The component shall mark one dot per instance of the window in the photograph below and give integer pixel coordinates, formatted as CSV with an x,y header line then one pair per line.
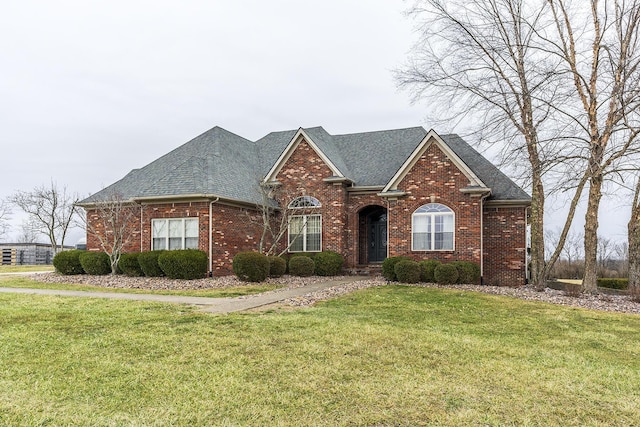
x,y
303,202
432,228
178,233
305,233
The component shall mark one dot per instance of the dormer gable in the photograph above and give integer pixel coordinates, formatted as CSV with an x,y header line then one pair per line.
x,y
300,136
475,186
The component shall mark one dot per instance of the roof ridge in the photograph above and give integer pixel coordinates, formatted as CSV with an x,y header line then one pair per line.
x,y
382,130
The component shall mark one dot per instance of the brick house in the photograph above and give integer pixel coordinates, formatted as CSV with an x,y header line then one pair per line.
x,y
367,196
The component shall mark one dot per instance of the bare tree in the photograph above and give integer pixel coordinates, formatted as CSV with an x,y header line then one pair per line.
x,y
483,59
274,218
621,250
28,233
553,80
606,248
51,211
5,216
109,221
600,54
634,245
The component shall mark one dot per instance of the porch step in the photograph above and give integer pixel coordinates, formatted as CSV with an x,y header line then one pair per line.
x,y
366,270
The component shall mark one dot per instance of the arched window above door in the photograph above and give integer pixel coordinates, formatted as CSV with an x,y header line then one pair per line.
x,y
304,202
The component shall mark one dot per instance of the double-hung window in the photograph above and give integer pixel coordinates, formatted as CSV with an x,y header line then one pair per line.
x,y
432,228
305,229
174,233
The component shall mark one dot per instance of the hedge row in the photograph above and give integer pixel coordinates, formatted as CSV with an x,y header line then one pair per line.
x,y
181,264
405,270
256,267
614,283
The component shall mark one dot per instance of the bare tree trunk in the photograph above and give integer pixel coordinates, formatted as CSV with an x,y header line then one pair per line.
x,y
538,270
590,280
634,246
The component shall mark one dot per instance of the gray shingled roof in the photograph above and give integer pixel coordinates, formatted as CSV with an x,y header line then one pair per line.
x,y
375,157
219,163
502,187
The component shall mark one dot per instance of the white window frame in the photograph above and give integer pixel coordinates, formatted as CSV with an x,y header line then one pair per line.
x,y
305,202
303,233
183,237
433,211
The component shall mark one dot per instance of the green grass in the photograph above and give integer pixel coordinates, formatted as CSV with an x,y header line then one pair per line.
x,y
389,356
236,291
24,268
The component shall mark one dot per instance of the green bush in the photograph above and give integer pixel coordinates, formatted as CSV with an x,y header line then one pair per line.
x,y
427,268
149,263
185,264
95,263
129,265
468,272
407,271
288,257
446,274
277,266
613,283
301,266
68,262
251,266
388,267
328,263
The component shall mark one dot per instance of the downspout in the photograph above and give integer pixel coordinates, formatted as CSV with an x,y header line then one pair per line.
x,y
482,199
141,233
388,208
211,236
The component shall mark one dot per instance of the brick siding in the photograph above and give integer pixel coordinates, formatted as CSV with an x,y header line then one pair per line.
x,y
505,245
434,178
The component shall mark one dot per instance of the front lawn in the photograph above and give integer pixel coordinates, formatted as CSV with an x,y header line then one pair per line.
x,y
385,356
24,268
224,292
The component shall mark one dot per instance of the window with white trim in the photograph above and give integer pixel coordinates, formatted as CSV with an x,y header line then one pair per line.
x,y
432,228
305,230
174,233
305,233
304,202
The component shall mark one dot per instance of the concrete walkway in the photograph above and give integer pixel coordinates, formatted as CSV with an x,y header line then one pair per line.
x,y
210,305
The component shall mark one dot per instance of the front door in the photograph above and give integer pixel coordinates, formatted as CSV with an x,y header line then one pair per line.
x,y
377,237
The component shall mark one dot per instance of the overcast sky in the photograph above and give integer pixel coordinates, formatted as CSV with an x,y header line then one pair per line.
x,y
92,89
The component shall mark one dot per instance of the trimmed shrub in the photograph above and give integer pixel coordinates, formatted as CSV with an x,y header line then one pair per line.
x,y
389,265
185,264
95,263
288,257
277,266
129,265
468,272
68,262
328,263
301,266
427,267
148,262
613,283
446,274
251,266
407,271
